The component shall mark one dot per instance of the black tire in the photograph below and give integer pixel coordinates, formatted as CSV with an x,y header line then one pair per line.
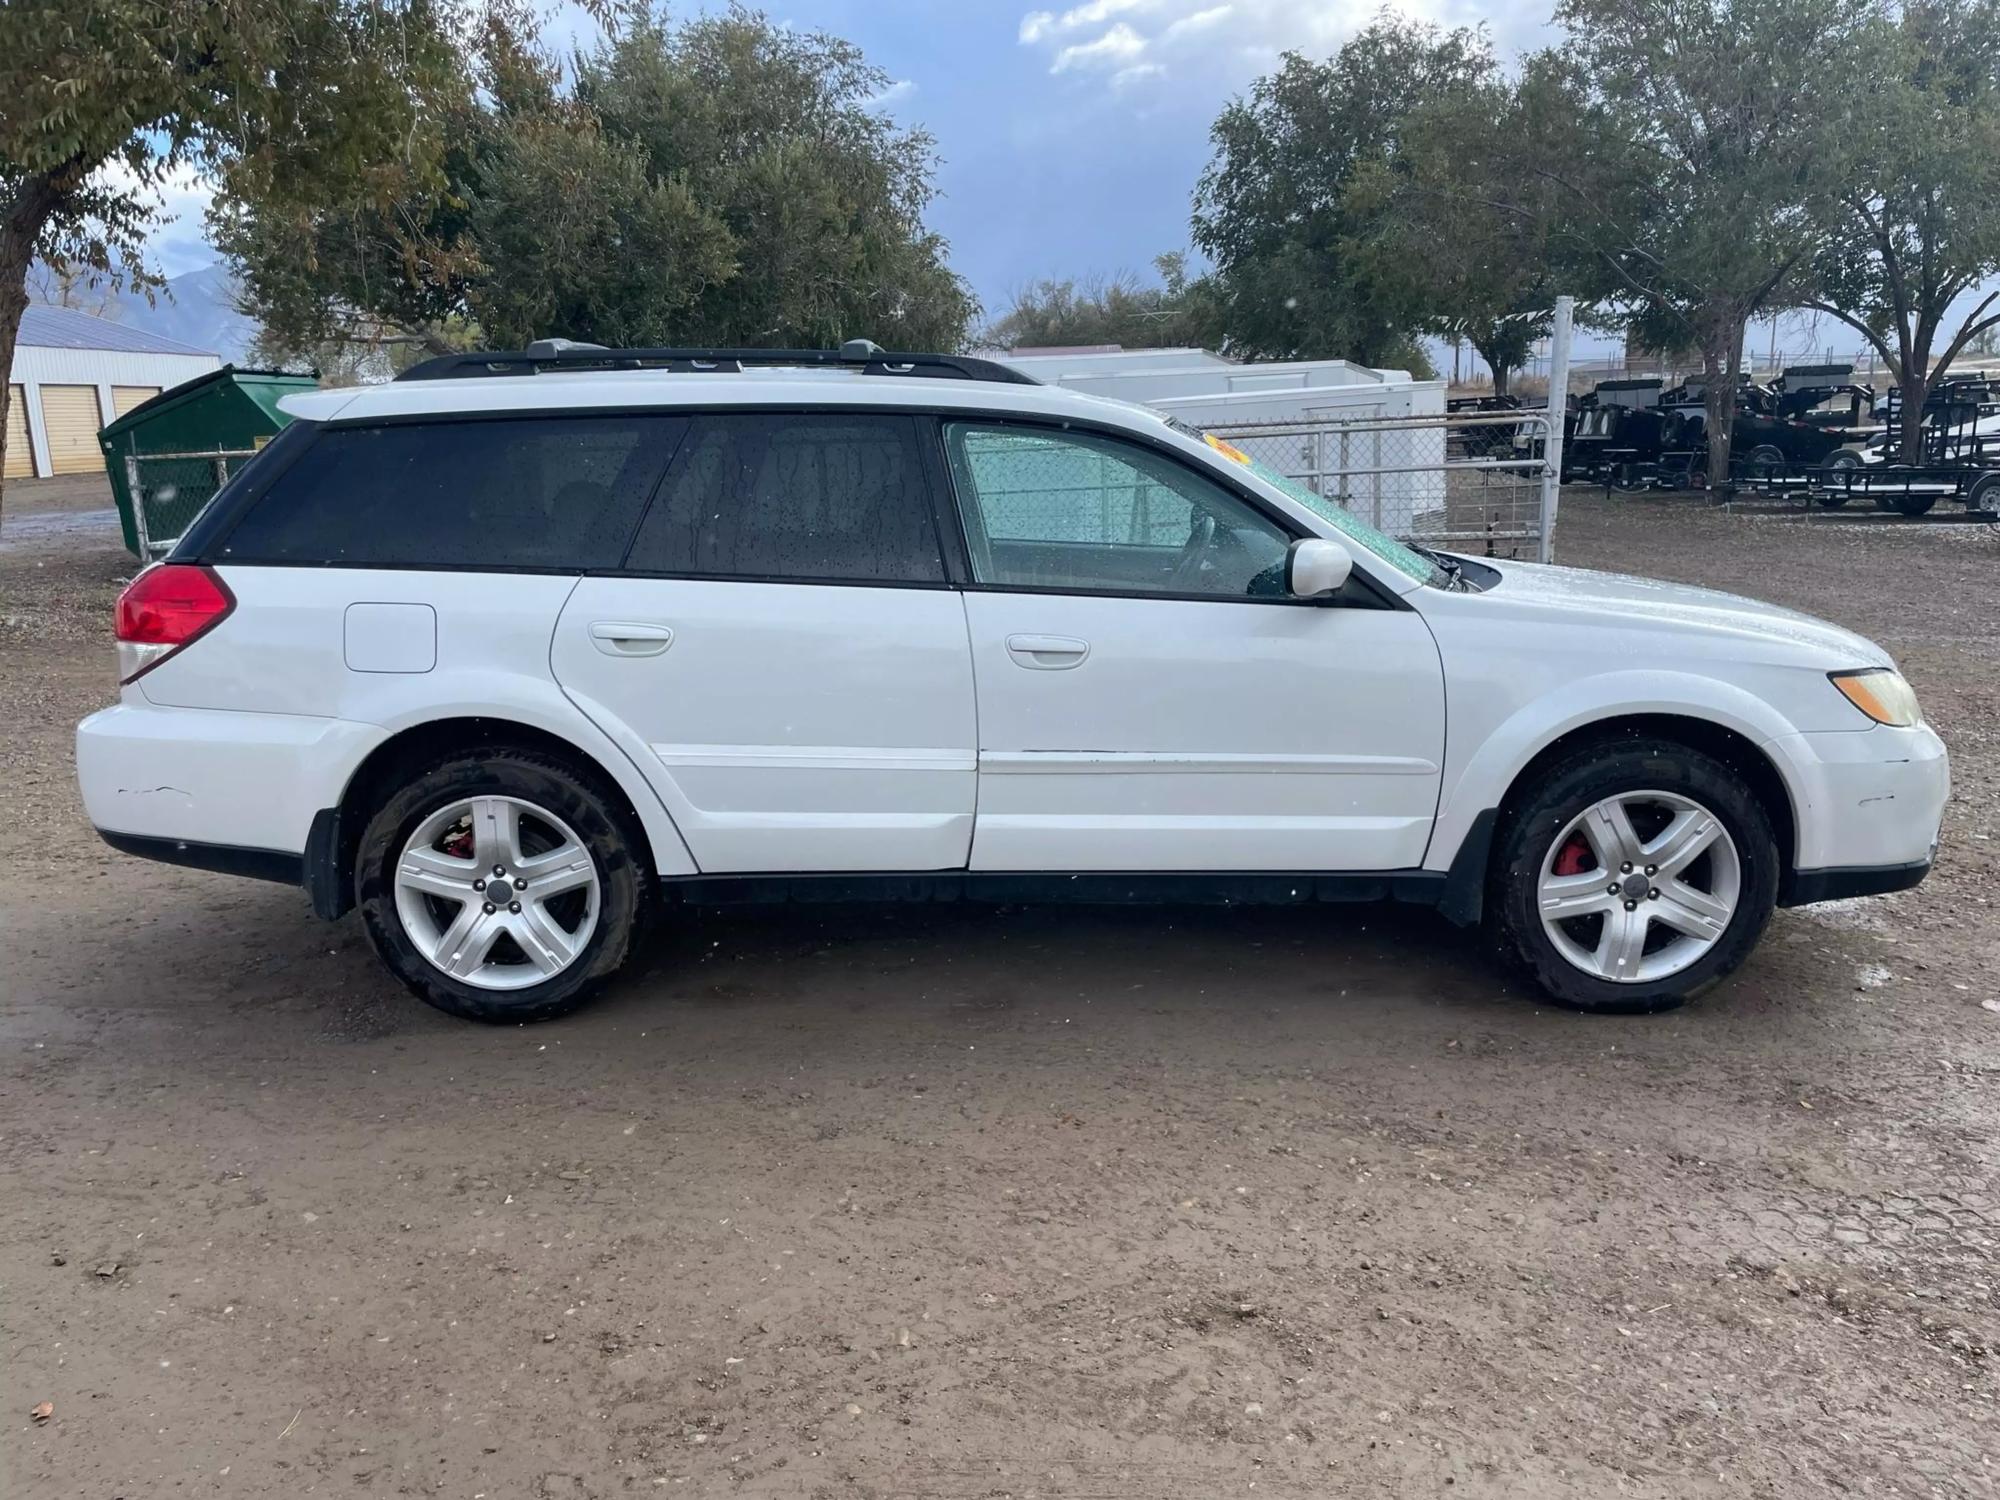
x,y
601,823
1912,505
1984,496
1767,459
1837,462
1560,794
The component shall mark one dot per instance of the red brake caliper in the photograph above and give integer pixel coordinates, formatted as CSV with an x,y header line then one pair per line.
x,y
1574,856
459,845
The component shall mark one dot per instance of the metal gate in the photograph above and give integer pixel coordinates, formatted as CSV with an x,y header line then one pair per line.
x,y
169,490
1475,482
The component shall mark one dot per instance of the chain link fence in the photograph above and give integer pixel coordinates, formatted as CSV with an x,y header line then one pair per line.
x,y
1475,482
169,490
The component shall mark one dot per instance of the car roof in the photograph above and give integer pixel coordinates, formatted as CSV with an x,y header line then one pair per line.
x,y
676,391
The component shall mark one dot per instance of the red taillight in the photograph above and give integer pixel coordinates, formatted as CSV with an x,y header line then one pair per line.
x,y
165,608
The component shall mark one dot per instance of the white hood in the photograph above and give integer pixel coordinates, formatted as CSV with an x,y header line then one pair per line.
x,y
1578,596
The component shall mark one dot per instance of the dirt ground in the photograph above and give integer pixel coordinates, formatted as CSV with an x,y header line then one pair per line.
x,y
1166,1205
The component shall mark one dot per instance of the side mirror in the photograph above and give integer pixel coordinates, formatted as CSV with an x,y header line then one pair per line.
x,y
1316,567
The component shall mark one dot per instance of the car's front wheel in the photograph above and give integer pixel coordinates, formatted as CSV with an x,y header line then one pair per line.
x,y
499,886
1632,876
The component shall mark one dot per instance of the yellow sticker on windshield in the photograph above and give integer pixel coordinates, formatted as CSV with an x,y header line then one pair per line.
x,y
1227,450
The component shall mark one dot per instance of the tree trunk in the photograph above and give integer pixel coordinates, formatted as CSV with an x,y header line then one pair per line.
x,y
1915,386
1503,373
20,231
1721,363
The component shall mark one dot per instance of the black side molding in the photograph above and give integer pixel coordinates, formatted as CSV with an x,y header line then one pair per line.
x,y
1086,887
224,859
1837,882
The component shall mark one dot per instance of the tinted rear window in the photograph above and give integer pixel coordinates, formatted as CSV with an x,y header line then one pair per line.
x,y
835,496
555,493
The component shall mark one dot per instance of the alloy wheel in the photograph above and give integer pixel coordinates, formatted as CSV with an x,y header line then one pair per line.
x,y
1638,886
497,892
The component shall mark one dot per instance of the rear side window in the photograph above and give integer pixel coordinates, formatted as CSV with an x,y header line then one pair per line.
x,y
561,494
833,497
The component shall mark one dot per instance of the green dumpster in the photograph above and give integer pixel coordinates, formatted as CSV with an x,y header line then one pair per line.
x,y
168,456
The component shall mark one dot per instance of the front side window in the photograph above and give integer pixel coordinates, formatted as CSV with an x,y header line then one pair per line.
x,y
834,497
545,492
1076,511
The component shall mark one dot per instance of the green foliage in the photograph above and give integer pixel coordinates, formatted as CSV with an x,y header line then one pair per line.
x,y
1915,224
1180,312
1447,227
724,181
1288,208
1694,146
105,100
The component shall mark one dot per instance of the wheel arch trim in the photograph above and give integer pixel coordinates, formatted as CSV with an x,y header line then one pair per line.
x,y
1644,701
330,844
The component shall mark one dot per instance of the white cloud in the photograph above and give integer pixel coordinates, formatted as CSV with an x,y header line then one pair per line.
x,y
1201,20
1121,45
902,88
177,240
1137,73
1231,41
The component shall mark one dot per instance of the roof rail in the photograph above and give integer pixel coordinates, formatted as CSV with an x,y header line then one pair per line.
x,y
546,356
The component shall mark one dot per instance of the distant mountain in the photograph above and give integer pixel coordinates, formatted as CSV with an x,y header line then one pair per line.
x,y
197,308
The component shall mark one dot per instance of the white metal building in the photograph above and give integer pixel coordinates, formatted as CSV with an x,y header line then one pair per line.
x,y
72,374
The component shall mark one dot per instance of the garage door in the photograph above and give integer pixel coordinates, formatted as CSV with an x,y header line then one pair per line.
x,y
70,418
125,397
20,462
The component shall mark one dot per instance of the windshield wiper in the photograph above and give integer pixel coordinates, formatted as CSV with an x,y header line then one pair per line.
x,y
1454,575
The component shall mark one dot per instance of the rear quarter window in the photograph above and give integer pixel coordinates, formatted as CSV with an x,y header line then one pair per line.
x,y
549,493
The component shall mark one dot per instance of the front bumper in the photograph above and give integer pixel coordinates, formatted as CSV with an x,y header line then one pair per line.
x,y
1868,805
1807,886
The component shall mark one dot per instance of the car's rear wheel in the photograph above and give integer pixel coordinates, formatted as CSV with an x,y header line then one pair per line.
x,y
499,886
1633,876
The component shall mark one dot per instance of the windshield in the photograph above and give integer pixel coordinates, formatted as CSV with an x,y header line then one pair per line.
x,y
1405,560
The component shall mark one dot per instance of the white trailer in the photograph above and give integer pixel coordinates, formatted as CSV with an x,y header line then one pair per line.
x,y
1372,439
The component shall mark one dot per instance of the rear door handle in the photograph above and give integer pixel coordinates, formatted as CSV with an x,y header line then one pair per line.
x,y
623,638
1047,653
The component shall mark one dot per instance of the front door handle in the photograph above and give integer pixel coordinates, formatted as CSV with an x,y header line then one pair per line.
x,y
1047,653
623,638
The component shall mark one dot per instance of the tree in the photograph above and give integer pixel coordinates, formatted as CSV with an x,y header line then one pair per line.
x,y
1693,145
1451,184
725,181
1915,226
105,100
775,131
1272,210
1122,310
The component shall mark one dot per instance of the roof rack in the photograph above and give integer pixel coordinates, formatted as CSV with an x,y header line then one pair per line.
x,y
546,356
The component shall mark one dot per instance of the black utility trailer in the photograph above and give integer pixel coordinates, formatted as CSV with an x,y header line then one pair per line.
x,y
1484,439
1612,429
1958,458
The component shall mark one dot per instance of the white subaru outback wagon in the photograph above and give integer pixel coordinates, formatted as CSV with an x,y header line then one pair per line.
x,y
520,648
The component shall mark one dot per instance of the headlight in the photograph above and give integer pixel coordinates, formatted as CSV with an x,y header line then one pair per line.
x,y
1880,693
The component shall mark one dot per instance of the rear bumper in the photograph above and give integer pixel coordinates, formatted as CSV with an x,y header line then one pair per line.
x,y
197,778
224,859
